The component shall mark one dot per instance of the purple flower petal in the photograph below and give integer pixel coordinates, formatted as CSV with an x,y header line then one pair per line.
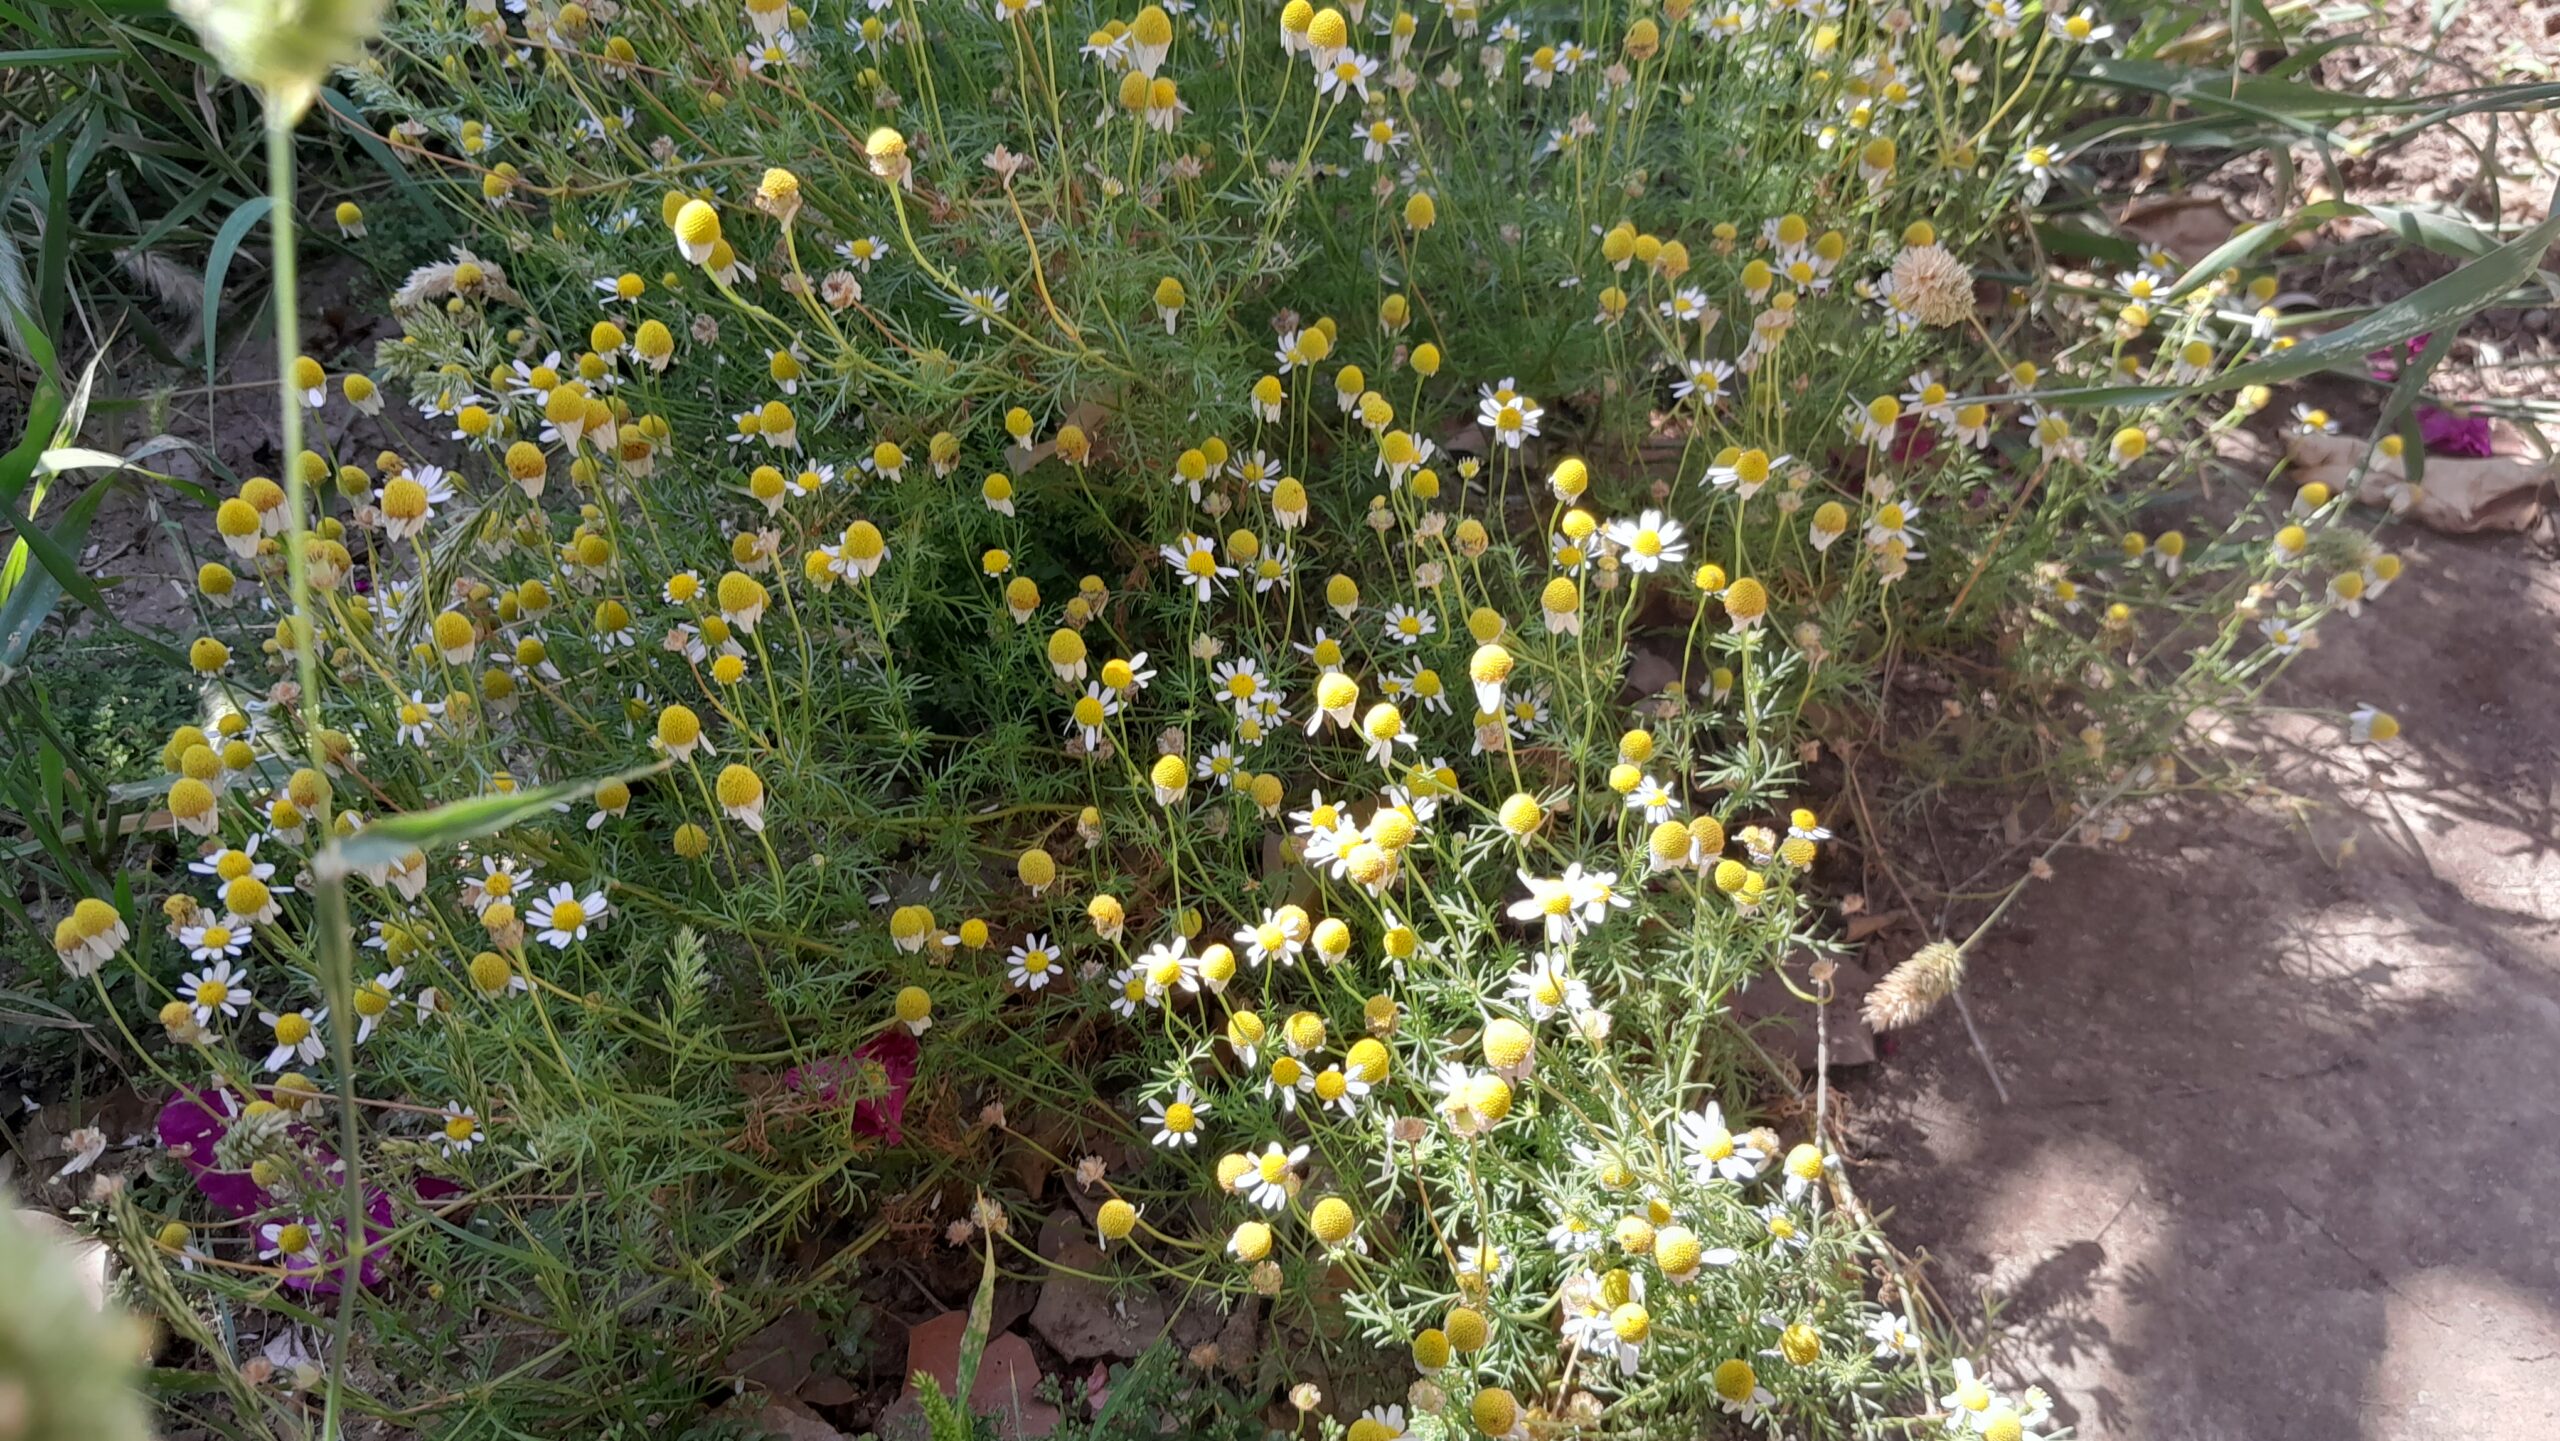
x,y
2444,433
880,1072
193,1123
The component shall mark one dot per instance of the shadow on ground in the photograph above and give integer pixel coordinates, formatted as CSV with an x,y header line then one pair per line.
x,y
2282,1153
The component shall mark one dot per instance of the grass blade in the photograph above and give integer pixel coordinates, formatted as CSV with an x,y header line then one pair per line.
x,y
226,243
388,839
2437,305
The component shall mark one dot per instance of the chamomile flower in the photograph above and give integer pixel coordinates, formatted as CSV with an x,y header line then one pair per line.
x,y
2078,28
1704,381
1893,1336
1176,1123
1273,1178
1575,1233
1892,522
561,917
215,990
1409,625
2285,637
1194,559
294,1243
500,878
1648,542
1654,799
1510,416
1970,1404
1129,991
297,1037
459,1131
1271,939
2040,164
1714,1152
1744,472
1545,988
1091,711
1032,963
1217,764
1483,1264
377,999
218,941
1239,681
979,306
1739,1392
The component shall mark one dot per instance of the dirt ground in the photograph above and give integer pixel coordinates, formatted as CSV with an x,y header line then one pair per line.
x,y
2281,1158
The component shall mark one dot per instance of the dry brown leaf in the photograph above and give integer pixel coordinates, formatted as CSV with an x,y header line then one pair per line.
x,y
2458,496
1861,927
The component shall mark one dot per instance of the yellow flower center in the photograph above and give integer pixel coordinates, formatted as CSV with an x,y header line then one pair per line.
x,y
568,916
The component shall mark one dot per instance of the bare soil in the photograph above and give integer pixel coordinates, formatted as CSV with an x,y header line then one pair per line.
x,y
2279,1158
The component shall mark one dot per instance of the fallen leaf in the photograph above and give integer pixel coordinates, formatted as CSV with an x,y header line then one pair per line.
x,y
778,1357
1007,1387
2189,227
1861,927
2457,496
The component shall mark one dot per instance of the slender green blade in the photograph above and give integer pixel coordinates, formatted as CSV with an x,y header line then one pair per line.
x,y
226,243
385,841
2437,305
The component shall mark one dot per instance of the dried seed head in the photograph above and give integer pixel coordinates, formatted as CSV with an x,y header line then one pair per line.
x,y
1910,991
1932,284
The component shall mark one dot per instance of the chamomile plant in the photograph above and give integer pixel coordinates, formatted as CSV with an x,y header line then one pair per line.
x,y
1236,600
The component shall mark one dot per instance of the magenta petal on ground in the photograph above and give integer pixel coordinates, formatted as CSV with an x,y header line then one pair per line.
x,y
878,1074
1912,439
883,1113
191,1124
2444,433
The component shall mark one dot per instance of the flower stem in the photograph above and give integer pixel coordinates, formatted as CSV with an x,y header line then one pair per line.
x,y
337,974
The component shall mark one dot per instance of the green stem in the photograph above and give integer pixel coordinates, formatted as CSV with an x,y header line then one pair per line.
x,y
337,969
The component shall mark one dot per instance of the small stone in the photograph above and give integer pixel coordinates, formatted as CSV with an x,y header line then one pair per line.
x,y
1086,1319
781,1418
